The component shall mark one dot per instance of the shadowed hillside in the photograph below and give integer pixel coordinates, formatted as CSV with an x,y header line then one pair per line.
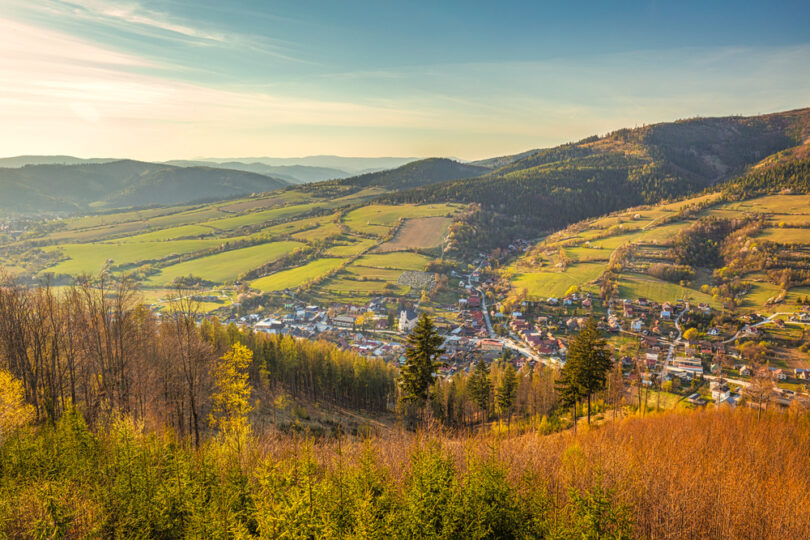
x,y
553,187
68,188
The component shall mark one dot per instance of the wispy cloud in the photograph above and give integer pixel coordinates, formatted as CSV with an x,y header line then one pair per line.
x,y
133,14
57,89
134,18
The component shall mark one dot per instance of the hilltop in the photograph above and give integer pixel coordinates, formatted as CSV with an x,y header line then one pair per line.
x,y
551,188
415,174
80,187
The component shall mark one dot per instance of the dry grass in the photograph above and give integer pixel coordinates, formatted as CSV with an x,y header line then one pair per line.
x,y
688,474
421,233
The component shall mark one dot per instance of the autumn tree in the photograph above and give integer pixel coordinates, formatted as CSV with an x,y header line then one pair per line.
x,y
231,397
691,334
14,411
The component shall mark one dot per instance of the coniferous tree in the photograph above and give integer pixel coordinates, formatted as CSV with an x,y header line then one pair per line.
x,y
569,391
421,361
591,361
479,387
507,390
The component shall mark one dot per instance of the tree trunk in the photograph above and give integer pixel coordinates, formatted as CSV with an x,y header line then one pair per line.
x,y
574,414
589,409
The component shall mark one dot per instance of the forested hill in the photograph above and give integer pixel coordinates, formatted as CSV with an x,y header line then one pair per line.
x,y
71,188
792,176
553,187
416,174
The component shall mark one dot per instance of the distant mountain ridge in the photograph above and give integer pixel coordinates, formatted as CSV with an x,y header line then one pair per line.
x,y
550,188
352,165
295,174
416,174
22,161
53,188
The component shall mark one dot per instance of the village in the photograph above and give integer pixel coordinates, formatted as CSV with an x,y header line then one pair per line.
x,y
671,345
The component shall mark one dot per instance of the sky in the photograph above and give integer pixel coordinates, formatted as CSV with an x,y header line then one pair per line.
x,y
184,79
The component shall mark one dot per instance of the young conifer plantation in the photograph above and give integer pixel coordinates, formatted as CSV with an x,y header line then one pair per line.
x,y
116,424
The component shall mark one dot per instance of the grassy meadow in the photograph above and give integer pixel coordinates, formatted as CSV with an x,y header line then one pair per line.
x,y
589,245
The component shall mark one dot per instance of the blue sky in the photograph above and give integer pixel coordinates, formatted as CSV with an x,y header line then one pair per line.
x,y
182,79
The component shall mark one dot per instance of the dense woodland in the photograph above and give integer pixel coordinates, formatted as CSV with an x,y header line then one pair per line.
x,y
793,176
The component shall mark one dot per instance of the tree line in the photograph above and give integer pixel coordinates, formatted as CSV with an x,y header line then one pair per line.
x,y
96,347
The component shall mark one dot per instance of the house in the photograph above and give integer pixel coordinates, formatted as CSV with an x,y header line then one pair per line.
x,y
490,345
344,321
779,374
587,303
695,399
636,325
666,313
407,320
552,301
800,373
720,391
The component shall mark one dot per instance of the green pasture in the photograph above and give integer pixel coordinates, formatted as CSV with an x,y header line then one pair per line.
x,y
226,266
289,279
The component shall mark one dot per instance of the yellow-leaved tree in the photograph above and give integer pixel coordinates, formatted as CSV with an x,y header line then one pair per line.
x,y
14,411
231,397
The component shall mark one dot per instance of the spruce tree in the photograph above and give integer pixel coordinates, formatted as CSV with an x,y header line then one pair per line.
x,y
591,361
479,387
507,390
423,347
568,388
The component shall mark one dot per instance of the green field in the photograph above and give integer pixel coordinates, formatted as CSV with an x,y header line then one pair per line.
x,y
322,232
226,266
634,285
760,293
257,218
362,289
90,258
183,231
359,272
348,249
289,279
542,285
787,235
398,261
585,254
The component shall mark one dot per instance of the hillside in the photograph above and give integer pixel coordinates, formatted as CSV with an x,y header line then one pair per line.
x,y
295,174
553,187
416,174
71,188
352,165
747,254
